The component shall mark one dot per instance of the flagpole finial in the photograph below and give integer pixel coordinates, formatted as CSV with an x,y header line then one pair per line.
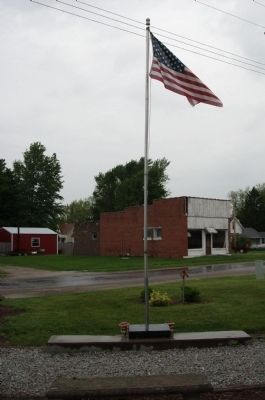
x,y
147,22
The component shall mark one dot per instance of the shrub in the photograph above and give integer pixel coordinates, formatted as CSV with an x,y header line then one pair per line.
x,y
191,295
241,243
158,299
142,294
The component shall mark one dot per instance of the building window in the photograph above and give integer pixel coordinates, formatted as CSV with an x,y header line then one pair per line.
x,y
154,233
195,239
157,233
35,242
94,236
219,241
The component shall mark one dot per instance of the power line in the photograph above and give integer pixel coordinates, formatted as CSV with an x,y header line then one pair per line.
x,y
100,15
176,40
208,45
83,17
217,59
213,52
110,12
171,33
260,4
137,34
231,15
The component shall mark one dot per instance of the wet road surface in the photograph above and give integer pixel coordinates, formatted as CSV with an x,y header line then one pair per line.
x,y
29,282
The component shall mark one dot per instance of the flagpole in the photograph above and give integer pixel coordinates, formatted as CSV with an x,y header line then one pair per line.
x,y
146,291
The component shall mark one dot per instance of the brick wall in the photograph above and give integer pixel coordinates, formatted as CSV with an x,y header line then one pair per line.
x,y
122,232
86,239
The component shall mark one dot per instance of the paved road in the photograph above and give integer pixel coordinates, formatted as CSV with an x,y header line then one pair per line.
x,y
29,282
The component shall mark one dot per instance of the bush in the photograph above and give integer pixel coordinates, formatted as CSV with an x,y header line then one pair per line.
x,y
142,294
191,295
241,243
158,299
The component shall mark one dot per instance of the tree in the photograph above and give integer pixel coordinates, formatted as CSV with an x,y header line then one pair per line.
x,y
40,181
122,186
78,211
249,205
253,212
9,196
238,199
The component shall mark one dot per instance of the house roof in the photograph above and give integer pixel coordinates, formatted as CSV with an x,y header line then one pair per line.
x,y
251,233
29,231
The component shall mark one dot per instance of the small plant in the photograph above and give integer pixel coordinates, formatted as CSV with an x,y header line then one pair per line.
x,y
158,299
190,295
142,294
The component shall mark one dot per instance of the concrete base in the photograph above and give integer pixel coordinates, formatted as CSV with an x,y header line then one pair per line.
x,y
124,343
153,331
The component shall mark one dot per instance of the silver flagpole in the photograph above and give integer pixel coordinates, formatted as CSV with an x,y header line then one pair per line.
x,y
146,292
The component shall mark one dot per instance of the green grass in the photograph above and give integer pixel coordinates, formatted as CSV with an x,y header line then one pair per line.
x,y
227,304
96,264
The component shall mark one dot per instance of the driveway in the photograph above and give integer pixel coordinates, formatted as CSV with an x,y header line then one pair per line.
x,y
29,282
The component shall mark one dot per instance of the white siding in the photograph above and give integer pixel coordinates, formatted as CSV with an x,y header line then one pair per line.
x,y
208,213
204,222
210,208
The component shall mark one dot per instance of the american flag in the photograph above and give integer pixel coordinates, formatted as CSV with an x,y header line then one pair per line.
x,y
176,77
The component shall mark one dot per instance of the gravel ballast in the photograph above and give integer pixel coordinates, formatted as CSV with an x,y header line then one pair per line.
x,y
30,371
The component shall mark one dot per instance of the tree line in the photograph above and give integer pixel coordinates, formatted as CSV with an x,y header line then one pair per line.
x,y
120,187
30,192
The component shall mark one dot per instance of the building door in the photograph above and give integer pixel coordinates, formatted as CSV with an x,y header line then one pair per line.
x,y
208,244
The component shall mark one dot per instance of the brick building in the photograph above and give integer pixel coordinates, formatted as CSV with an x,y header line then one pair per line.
x,y
177,227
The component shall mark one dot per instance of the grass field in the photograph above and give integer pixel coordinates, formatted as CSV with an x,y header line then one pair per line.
x,y
227,303
96,264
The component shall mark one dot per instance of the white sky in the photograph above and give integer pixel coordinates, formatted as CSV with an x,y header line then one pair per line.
x,y
78,88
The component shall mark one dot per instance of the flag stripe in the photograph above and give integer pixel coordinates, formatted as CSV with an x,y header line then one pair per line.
x,y
178,89
175,76
193,99
181,83
180,78
187,75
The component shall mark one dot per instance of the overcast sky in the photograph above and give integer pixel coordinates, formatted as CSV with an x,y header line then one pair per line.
x,y
78,88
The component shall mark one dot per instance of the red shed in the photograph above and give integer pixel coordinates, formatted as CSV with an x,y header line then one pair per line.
x,y
28,240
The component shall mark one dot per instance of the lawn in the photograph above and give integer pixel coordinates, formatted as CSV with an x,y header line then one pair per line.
x,y
227,304
108,264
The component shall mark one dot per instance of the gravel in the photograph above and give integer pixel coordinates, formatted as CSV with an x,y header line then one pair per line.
x,y
30,371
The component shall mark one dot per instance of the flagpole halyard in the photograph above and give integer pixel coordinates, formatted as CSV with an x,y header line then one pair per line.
x,y
146,283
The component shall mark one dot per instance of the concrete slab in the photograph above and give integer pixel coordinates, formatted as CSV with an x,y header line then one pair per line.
x,y
196,339
126,387
211,338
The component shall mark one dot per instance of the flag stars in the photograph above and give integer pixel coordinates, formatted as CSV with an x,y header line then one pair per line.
x,y
165,56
